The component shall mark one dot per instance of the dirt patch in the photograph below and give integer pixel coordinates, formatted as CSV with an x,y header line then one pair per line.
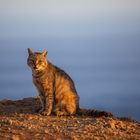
x,y
19,121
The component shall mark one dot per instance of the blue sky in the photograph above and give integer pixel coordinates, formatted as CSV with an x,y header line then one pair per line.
x,y
68,18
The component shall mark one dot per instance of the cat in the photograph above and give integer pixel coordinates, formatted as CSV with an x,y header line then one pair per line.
x,y
56,89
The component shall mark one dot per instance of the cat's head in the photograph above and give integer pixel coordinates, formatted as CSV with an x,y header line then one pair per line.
x,y
36,60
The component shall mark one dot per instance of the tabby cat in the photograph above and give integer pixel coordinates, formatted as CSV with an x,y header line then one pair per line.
x,y
56,89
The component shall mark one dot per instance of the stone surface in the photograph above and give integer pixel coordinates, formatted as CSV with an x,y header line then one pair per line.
x,y
19,121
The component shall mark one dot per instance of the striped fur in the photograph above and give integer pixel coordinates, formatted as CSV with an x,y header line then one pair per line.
x,y
56,89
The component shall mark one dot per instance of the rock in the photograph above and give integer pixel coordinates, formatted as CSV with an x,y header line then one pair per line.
x,y
28,125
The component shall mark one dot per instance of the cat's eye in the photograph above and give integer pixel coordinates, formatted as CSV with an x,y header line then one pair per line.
x,y
40,61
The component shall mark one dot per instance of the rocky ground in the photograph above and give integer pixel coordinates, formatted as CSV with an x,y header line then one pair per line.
x,y
18,121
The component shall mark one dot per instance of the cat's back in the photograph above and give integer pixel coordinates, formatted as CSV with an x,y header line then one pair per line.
x,y
63,80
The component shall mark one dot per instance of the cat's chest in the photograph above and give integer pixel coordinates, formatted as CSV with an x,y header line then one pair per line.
x,y
41,83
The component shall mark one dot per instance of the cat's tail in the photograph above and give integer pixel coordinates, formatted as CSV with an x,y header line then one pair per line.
x,y
93,112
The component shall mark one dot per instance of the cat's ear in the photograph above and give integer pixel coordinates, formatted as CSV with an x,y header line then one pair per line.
x,y
30,52
45,53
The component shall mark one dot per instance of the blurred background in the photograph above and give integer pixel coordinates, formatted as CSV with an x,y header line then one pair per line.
x,y
97,42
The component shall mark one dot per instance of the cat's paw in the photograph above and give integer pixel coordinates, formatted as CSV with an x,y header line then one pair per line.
x,y
61,113
41,110
45,113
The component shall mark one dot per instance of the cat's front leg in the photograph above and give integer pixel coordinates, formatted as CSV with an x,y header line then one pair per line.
x,y
49,106
42,101
49,101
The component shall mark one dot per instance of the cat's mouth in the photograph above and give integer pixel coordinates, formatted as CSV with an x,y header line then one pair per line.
x,y
38,69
